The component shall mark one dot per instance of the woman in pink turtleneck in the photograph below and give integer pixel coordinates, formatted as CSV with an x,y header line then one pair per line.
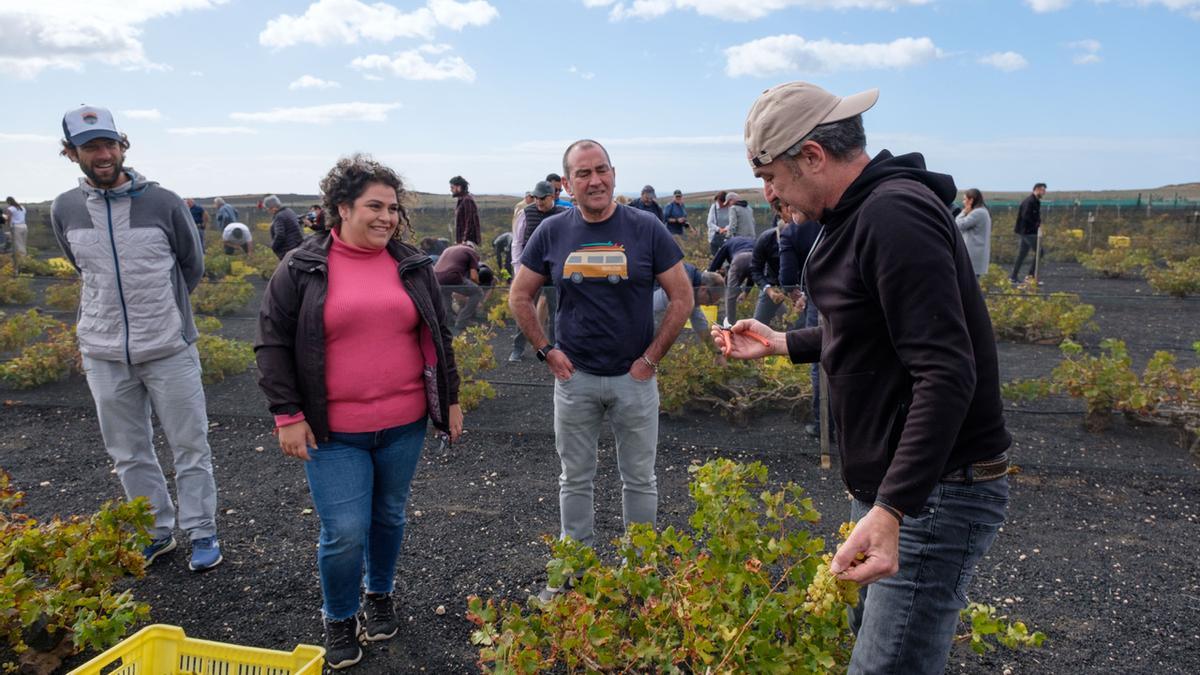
x,y
355,358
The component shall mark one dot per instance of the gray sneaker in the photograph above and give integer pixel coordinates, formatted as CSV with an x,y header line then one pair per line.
x,y
551,592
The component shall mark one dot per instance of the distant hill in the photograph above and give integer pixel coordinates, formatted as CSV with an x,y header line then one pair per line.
x,y
419,200
428,200
1188,191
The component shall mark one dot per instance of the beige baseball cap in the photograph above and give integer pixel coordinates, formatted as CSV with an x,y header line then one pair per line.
x,y
788,112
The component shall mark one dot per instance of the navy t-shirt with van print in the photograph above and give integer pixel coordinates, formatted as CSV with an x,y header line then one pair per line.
x,y
604,273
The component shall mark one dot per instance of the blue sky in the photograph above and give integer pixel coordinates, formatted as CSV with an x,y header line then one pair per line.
x,y
235,96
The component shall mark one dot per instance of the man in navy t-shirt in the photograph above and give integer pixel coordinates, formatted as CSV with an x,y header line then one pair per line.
x,y
603,258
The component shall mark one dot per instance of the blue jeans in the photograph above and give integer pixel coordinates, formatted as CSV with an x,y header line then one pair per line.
x,y
905,623
360,484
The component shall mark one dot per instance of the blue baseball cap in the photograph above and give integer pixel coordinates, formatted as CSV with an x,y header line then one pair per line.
x,y
88,123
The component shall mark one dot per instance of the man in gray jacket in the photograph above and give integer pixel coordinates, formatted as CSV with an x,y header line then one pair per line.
x,y
741,218
138,252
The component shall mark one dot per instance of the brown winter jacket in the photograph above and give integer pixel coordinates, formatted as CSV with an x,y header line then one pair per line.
x,y
290,348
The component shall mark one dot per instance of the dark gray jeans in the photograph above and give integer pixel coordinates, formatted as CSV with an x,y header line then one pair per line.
x,y
474,296
1028,243
905,623
737,279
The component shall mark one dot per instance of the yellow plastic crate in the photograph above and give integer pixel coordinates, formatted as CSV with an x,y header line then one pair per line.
x,y
165,650
1077,235
1118,241
710,313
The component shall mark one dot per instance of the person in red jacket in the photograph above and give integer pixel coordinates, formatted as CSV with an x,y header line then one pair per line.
x,y
913,372
466,213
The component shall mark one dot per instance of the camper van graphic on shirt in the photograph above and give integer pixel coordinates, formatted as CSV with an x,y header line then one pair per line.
x,y
601,260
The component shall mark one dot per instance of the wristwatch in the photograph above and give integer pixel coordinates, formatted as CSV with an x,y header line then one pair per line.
x,y
544,352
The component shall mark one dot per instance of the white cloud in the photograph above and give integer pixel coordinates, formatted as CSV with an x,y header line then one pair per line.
x,y
26,138
310,82
327,22
1190,7
459,15
411,64
1086,52
1006,61
740,10
1043,6
321,114
151,114
582,74
737,10
792,53
210,131
69,34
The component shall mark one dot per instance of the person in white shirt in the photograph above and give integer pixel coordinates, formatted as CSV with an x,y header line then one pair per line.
x,y
235,236
16,224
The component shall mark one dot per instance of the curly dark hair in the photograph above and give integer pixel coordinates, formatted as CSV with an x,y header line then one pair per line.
x,y
69,146
349,178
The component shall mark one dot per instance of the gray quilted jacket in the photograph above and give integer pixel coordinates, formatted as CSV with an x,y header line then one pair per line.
x,y
139,254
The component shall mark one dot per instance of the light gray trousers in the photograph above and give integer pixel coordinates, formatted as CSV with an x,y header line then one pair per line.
x,y
580,405
124,395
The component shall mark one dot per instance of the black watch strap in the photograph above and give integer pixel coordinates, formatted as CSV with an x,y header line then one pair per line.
x,y
544,352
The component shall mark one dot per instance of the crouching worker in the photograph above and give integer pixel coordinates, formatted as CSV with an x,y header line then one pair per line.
x,y
355,360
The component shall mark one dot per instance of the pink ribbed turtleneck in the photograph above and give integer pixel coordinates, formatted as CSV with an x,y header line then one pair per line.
x,y
373,360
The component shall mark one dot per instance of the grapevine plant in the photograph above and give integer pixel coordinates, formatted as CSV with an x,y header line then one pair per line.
x,y
691,374
1107,383
56,580
1024,314
748,590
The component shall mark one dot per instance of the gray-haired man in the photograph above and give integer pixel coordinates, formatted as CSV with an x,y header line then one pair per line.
x,y
139,254
285,226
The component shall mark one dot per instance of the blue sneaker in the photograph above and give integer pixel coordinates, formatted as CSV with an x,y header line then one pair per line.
x,y
158,547
206,554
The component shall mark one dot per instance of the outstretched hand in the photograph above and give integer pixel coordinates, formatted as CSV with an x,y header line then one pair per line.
x,y
748,339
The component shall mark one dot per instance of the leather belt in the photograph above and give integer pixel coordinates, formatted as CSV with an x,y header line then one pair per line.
x,y
981,471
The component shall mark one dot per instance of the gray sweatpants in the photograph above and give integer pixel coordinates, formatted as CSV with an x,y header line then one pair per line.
x,y
580,405
124,395
737,279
